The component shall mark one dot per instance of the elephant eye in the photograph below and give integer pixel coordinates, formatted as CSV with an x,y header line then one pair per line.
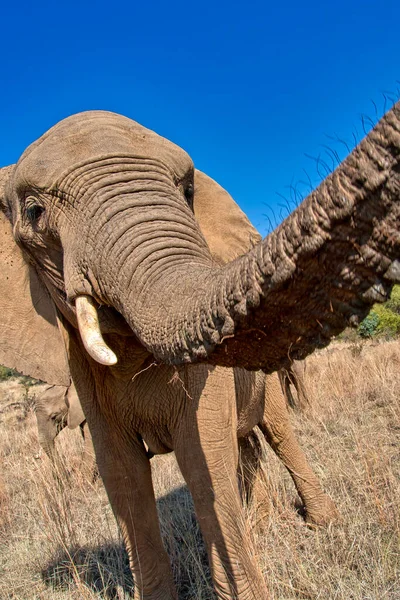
x,y
34,210
189,192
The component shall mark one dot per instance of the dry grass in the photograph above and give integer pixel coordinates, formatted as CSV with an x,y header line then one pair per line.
x,y
59,540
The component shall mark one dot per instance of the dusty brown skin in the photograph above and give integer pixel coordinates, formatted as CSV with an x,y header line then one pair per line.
x,y
293,385
58,407
104,208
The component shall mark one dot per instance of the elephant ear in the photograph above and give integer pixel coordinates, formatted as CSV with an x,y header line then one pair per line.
x,y
75,412
30,339
226,228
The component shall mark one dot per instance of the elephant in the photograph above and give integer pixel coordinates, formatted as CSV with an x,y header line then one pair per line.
x,y
55,408
105,263
293,377
58,407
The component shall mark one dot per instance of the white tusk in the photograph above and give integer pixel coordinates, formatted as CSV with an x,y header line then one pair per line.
x,y
89,328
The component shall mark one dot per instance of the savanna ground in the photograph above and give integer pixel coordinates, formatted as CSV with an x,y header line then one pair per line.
x,y
60,541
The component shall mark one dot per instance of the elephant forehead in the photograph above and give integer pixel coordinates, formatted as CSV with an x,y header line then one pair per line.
x,y
89,136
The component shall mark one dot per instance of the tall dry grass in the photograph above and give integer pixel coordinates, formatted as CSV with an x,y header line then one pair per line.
x,y
58,538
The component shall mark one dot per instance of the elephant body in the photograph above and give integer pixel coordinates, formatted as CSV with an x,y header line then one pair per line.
x,y
141,280
260,400
165,408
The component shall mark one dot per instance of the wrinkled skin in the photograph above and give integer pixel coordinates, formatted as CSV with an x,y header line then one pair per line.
x,y
276,427
293,384
51,415
102,210
56,408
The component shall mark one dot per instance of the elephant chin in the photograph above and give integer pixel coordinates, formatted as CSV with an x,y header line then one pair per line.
x,y
89,329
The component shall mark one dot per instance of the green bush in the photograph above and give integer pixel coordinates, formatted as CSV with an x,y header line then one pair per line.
x,y
369,325
6,373
389,321
383,319
394,303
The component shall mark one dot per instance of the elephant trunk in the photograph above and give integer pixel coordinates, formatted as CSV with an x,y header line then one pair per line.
x,y
47,432
323,267
332,258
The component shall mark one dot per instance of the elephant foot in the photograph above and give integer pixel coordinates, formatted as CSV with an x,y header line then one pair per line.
x,y
322,513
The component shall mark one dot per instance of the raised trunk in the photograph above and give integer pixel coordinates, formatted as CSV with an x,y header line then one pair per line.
x,y
331,259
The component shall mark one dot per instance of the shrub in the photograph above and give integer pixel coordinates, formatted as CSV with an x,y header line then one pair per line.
x,y
369,325
6,373
389,321
383,318
394,303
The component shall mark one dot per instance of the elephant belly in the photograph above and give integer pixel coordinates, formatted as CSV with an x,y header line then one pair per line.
x,y
160,396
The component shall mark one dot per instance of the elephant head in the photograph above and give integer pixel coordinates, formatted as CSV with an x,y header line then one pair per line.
x,y
56,407
104,212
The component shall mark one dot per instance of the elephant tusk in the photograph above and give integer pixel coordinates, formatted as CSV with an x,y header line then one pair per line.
x,y
89,328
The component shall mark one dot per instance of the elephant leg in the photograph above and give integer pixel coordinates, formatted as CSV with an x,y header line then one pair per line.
x,y
250,453
125,470
206,449
278,431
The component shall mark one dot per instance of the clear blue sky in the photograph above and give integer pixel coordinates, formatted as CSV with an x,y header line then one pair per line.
x,y
248,89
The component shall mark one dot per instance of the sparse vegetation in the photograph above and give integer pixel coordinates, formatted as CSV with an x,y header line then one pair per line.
x,y
368,327
59,541
6,373
383,319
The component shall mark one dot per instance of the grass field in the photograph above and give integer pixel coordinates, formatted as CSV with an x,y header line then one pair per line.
x,y
59,541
